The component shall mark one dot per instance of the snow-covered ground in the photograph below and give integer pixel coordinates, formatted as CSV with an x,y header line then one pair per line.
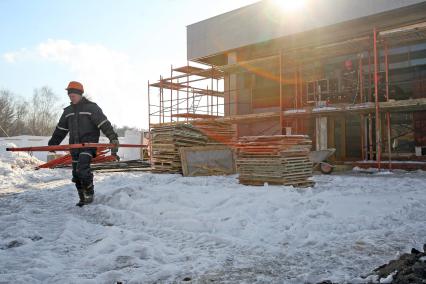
x,y
150,228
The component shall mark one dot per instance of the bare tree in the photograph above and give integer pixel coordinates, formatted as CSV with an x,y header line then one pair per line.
x,y
6,112
20,124
37,117
43,112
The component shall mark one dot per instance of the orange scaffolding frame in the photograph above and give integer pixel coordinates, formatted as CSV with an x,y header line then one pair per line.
x,y
194,93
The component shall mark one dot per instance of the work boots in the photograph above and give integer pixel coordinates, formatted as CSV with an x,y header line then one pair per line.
x,y
88,193
81,202
85,193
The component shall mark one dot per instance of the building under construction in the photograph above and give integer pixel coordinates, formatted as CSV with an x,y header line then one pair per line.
x,y
350,74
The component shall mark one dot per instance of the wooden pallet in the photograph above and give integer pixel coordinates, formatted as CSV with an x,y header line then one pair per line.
x,y
166,142
280,159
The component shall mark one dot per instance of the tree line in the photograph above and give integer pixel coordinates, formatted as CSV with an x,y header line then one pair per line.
x,y
37,116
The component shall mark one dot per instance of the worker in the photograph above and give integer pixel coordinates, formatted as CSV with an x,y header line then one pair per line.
x,y
83,120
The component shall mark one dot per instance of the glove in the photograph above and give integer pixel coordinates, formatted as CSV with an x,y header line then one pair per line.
x,y
115,149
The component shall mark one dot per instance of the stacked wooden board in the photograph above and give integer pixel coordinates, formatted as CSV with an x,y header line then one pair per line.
x,y
166,141
279,159
218,133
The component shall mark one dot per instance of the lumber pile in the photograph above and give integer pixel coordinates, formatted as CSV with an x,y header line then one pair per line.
x,y
280,159
166,141
218,133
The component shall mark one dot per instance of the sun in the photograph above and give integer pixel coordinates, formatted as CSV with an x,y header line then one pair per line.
x,y
290,5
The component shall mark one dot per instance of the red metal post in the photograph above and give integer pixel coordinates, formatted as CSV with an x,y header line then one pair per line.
x,y
229,96
361,79
296,102
178,101
387,113
193,102
161,100
211,103
302,125
296,99
376,94
149,109
281,94
370,119
207,98
187,92
236,108
149,125
217,97
171,93
212,91
362,117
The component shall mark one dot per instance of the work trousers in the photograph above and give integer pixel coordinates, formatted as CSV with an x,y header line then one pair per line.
x,y
82,174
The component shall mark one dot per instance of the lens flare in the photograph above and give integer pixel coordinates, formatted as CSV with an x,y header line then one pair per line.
x,y
290,5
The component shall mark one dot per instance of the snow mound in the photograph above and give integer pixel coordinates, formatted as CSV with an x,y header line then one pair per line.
x,y
15,161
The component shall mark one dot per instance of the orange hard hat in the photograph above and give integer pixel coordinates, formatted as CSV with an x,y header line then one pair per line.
x,y
75,86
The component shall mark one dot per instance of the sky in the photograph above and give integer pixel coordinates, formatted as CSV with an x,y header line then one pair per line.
x,y
112,47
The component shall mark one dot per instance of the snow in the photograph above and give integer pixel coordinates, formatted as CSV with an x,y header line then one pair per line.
x,y
392,162
290,111
388,279
27,141
361,106
150,228
375,171
319,109
12,167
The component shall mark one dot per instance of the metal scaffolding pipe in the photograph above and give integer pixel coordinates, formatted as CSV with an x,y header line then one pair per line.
x,y
376,94
361,96
281,93
171,94
387,99
370,119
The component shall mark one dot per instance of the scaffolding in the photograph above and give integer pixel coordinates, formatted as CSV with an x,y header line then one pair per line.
x,y
190,93
186,96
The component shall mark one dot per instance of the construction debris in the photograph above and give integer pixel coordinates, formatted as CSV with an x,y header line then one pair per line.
x,y
408,268
280,159
166,141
